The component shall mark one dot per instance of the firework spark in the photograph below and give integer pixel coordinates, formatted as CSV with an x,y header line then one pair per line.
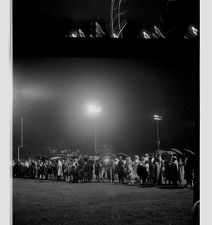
x,y
98,30
117,23
145,35
158,32
81,33
195,31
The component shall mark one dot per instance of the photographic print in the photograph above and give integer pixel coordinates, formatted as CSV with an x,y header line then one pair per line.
x,y
105,126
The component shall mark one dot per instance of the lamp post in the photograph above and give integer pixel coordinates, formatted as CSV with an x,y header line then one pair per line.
x,y
94,110
158,118
22,137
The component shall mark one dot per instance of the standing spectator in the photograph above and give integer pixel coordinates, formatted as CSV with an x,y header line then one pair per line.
x,y
45,170
163,174
90,170
103,173
66,170
142,173
40,170
158,161
181,170
146,157
59,169
75,170
175,171
15,169
121,170
152,171
33,170
168,170
26,165
189,169
129,171
97,169
135,166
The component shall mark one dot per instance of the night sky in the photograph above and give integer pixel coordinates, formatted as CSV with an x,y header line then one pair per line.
x,y
50,20
99,9
52,94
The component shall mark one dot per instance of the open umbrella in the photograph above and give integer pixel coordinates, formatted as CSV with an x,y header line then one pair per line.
x,y
123,155
176,151
112,155
189,151
37,157
54,158
73,157
94,157
165,152
43,158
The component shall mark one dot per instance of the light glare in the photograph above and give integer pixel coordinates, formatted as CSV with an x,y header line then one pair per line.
x,y
94,109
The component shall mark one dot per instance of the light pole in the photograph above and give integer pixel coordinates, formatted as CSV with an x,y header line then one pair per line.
x,y
158,118
22,137
94,110
95,143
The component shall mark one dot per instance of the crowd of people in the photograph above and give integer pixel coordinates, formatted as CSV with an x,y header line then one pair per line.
x,y
150,169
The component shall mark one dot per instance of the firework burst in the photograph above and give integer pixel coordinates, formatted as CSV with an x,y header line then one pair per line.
x,y
117,21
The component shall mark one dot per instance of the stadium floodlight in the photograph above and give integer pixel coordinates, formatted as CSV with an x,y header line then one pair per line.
x,y
106,160
94,109
158,118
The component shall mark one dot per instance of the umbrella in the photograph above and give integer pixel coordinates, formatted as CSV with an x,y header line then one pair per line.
x,y
73,156
165,152
112,155
64,157
44,158
176,151
123,155
189,151
54,158
94,158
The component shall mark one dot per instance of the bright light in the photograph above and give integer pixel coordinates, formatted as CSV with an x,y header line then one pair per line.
x,y
74,35
94,109
194,30
158,32
114,35
156,117
146,36
106,160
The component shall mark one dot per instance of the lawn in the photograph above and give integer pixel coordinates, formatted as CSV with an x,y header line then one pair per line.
x,y
62,203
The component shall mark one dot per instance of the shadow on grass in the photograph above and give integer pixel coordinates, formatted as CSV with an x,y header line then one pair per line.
x,y
171,187
163,186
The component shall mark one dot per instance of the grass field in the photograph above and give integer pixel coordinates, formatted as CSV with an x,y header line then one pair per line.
x,y
62,203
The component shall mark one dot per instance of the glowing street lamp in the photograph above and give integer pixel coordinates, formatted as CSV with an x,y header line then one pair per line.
x,y
94,110
158,118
